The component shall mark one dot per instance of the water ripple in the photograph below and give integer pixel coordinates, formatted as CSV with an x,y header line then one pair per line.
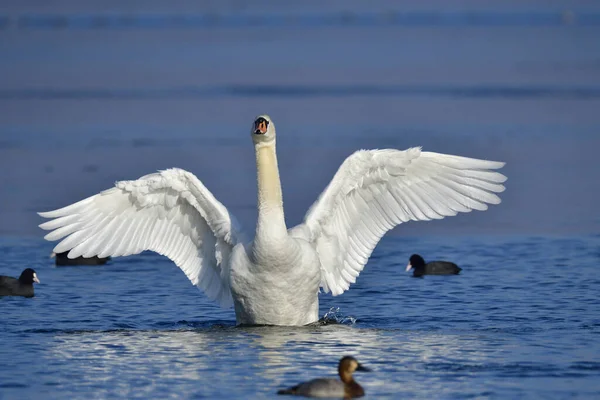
x,y
307,91
389,18
510,332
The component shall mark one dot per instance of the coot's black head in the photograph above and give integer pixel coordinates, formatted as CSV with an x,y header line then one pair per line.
x,y
28,276
415,261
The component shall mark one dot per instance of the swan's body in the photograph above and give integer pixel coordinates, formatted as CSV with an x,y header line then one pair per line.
x,y
275,278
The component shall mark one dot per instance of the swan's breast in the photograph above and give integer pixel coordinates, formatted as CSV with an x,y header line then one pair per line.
x,y
278,287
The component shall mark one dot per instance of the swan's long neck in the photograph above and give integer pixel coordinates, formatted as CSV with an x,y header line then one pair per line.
x,y
271,219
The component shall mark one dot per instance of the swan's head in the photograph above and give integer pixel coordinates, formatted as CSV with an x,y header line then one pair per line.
x,y
263,129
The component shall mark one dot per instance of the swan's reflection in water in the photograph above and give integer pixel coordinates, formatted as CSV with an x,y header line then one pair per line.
x,y
201,362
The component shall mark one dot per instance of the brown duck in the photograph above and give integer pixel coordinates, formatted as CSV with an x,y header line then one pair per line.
x,y
346,387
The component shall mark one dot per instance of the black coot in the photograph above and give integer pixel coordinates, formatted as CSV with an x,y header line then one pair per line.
x,y
62,259
23,286
420,268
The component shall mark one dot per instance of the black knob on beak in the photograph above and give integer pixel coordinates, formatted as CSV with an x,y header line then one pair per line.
x,y
260,126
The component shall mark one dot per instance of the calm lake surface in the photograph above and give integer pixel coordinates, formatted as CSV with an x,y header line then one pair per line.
x,y
94,94
522,320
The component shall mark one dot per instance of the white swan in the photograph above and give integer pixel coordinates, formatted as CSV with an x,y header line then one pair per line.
x,y
275,278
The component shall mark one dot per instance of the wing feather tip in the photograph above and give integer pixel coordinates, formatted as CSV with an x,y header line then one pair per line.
x,y
45,225
48,214
50,236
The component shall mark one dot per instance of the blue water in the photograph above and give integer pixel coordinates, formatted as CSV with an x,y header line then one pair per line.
x,y
522,320
93,93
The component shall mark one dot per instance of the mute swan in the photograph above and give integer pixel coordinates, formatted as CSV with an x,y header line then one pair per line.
x,y
274,279
346,388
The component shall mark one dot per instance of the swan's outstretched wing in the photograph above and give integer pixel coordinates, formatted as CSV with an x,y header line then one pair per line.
x,y
375,190
170,212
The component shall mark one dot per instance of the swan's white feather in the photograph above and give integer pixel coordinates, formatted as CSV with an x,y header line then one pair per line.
x,y
275,278
170,212
375,190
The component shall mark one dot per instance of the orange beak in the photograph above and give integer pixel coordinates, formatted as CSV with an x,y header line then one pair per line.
x,y
260,126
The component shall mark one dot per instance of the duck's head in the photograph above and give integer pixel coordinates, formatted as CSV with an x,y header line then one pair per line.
x,y
348,365
415,261
28,276
263,130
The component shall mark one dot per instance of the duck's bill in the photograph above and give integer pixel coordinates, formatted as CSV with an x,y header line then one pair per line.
x,y
408,267
363,368
35,278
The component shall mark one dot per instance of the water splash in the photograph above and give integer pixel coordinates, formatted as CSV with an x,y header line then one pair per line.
x,y
334,316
